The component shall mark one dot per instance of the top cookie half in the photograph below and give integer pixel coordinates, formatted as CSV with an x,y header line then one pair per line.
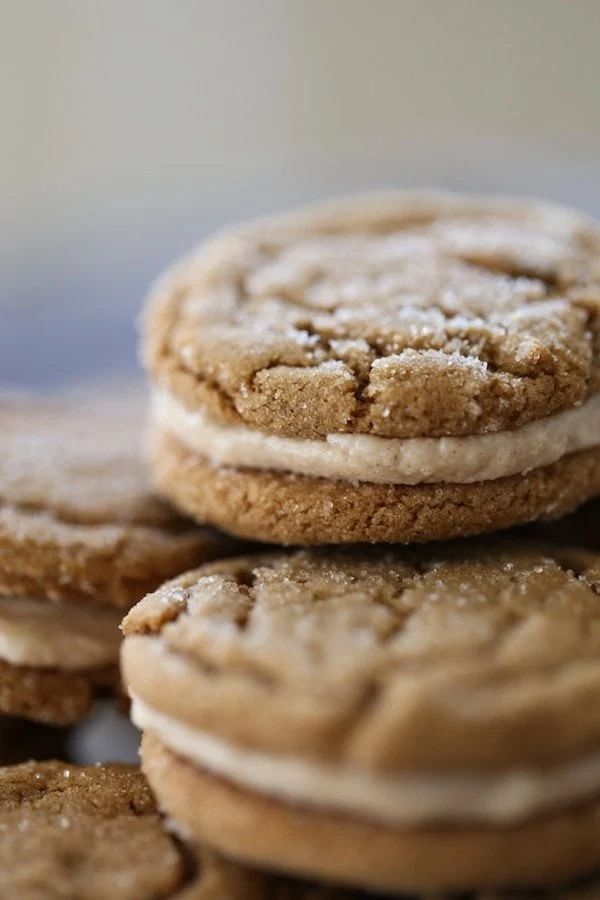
x,y
401,339
79,522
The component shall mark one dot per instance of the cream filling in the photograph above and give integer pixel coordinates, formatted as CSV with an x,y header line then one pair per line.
x,y
401,799
62,636
381,460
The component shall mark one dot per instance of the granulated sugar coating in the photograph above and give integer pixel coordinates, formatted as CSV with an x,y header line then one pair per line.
x,y
336,652
424,715
71,831
403,316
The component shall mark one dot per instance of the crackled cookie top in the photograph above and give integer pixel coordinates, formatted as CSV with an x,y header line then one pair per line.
x,y
402,316
78,458
87,832
78,518
458,656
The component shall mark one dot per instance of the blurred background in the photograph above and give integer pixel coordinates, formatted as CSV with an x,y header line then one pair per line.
x,y
130,128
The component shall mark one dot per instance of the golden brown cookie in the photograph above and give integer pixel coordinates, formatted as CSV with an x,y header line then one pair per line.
x,y
424,715
51,694
85,832
92,832
82,537
359,852
409,366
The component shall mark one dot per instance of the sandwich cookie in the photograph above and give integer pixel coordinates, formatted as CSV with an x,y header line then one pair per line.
x,y
82,538
398,368
94,832
396,721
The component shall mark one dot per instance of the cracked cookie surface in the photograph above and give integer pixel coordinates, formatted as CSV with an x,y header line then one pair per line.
x,y
87,832
411,367
407,315
462,655
78,519
383,703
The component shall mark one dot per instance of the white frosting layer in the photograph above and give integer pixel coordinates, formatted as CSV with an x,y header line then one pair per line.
x,y
52,635
362,457
408,799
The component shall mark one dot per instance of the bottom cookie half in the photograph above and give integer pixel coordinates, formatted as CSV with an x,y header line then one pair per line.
x,y
297,509
53,696
259,830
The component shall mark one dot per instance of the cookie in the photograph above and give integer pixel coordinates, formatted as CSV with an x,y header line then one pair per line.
x,y
82,538
70,831
425,716
91,832
399,368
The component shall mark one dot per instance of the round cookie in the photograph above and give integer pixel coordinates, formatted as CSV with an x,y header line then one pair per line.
x,y
399,368
91,832
82,538
87,832
424,715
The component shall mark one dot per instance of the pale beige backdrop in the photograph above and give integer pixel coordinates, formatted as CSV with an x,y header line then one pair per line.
x,y
131,127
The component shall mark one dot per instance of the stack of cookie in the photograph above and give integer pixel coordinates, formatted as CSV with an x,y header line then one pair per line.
x,y
396,370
